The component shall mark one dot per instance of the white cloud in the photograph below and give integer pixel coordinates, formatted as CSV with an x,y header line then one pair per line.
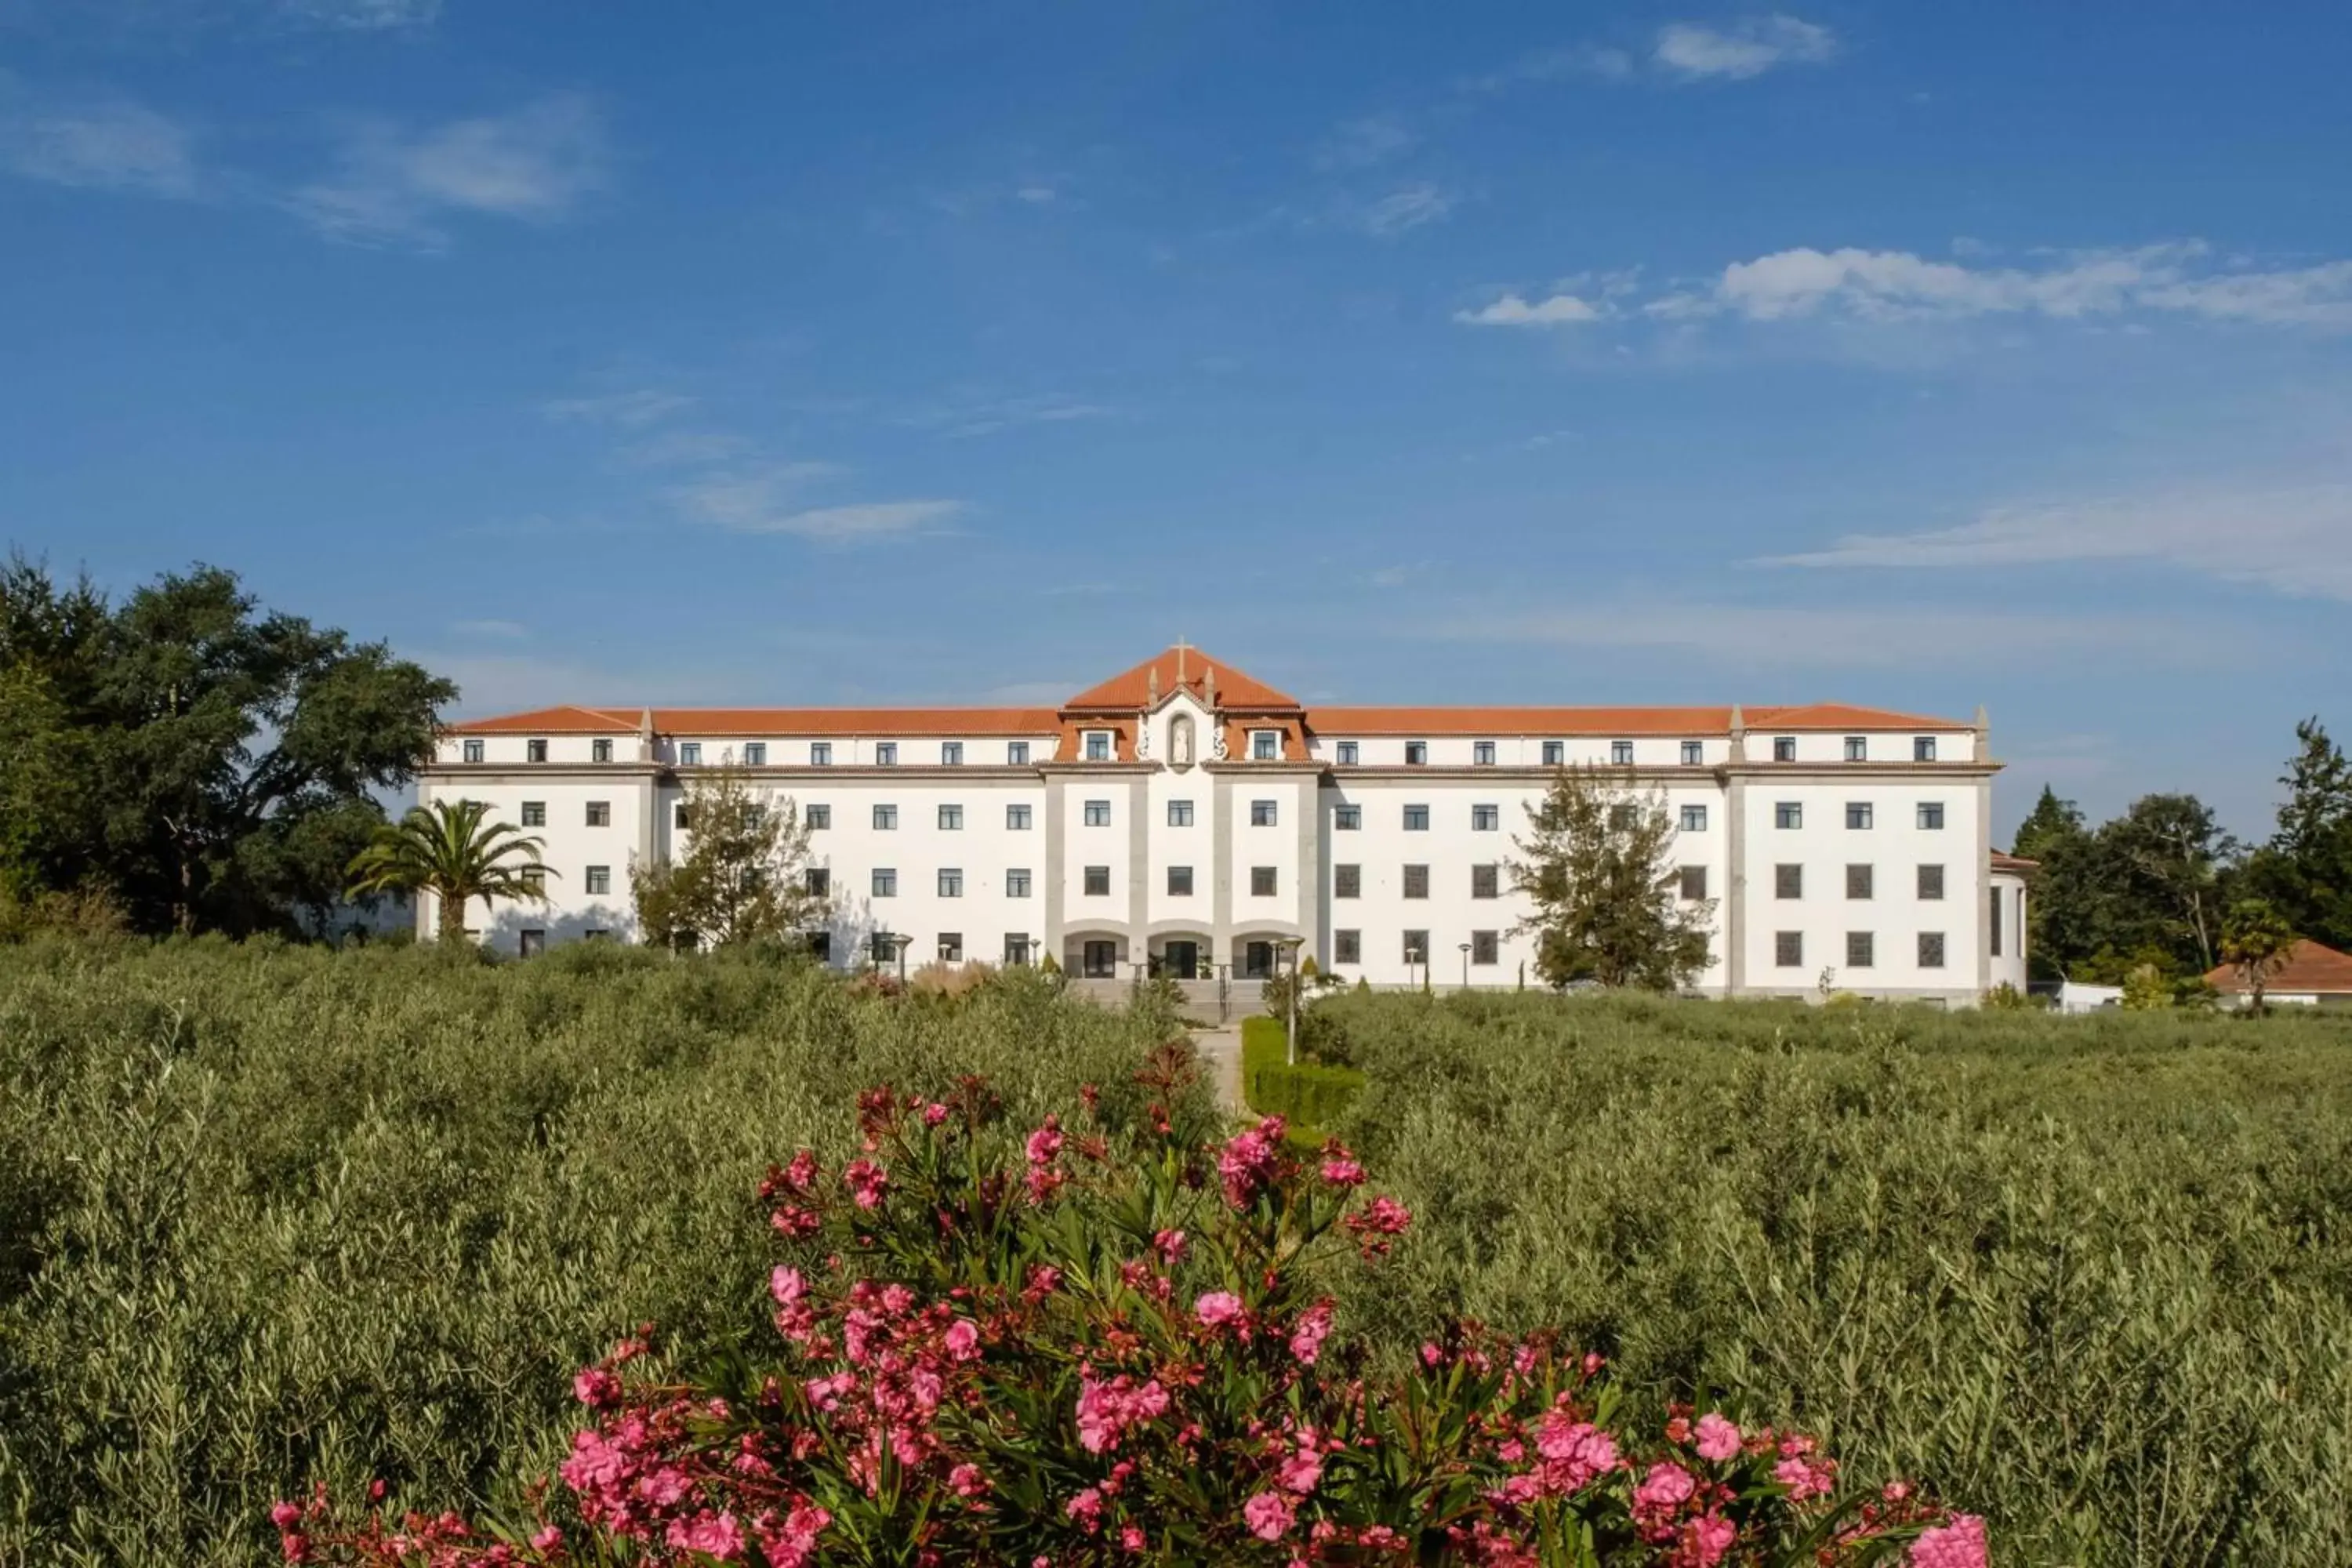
x,y
1515,311
2295,541
397,186
988,416
1361,144
630,410
1751,48
860,523
1552,65
111,145
365,16
769,500
675,448
1401,210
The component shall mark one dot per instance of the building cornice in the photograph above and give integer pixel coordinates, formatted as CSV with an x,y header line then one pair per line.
x,y
1830,773
530,773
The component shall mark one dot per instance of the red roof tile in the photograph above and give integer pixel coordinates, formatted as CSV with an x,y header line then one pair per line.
x,y
1188,668
2310,967
1625,721
774,722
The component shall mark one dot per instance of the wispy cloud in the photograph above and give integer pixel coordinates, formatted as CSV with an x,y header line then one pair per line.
x,y
1747,48
772,500
1362,143
861,523
108,144
1516,310
401,187
1401,210
1599,61
970,415
363,16
630,410
2293,541
684,448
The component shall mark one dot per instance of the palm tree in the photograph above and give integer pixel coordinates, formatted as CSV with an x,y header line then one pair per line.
x,y
2257,942
452,852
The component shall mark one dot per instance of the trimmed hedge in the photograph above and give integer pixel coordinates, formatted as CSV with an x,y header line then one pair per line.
x,y
1308,1095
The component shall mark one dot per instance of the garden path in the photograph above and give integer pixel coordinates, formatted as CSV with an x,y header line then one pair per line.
x,y
1220,1052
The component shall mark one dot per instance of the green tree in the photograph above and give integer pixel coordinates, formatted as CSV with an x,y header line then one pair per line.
x,y
2163,863
2256,942
2305,870
742,880
453,851
1600,874
2062,915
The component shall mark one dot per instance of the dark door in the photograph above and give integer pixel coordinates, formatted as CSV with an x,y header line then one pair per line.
x,y
1180,960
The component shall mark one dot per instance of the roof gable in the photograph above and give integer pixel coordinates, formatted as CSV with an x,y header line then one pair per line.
x,y
1186,668
2310,966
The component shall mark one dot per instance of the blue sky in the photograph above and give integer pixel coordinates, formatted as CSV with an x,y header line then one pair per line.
x,y
1919,356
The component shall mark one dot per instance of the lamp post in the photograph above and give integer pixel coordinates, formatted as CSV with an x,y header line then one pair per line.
x,y
1287,947
1413,955
1465,966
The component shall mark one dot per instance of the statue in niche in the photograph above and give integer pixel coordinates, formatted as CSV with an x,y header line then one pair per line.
x,y
1179,740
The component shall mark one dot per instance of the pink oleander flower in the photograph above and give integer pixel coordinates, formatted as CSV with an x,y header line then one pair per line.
x,y
1383,1218
1086,1507
1269,1515
787,1285
1705,1539
1664,1489
1107,1409
962,1340
791,1541
1046,1143
1574,1454
714,1535
1170,1246
934,1113
285,1515
1343,1172
1960,1544
1805,1478
1218,1308
596,1387
1246,1164
1313,1328
867,1182
1131,1538
966,1481
547,1537
1719,1439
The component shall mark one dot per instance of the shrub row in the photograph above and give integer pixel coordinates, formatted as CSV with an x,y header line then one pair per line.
x,y
1308,1095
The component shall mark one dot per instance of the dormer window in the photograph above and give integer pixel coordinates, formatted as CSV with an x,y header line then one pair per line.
x,y
473,751
689,754
534,751
1416,753
1555,752
1016,754
1347,754
885,754
1266,745
1857,748
820,753
951,754
1784,748
1099,745
755,753
1482,754
600,751
1923,748
1621,754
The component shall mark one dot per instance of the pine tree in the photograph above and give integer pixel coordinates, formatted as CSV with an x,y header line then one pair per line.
x,y
1600,874
2307,868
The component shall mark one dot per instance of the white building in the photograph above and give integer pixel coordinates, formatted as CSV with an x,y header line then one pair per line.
x,y
1186,818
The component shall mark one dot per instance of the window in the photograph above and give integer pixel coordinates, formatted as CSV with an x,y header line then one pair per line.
x,y
1555,752
1016,818
886,819
1416,947
600,814
820,753
1180,814
1861,950
1261,882
886,882
1787,881
1347,818
531,943
951,947
1416,753
1346,947
1621,754
1923,748
1016,756
1857,814
1857,748
1486,947
600,751
1931,950
1931,815
1100,960
1097,745
950,819
1931,881
951,882
689,754
1416,819
680,817
1789,814
1995,933
755,753
1487,881
1016,947
1258,961
885,754
1179,881
1097,882
534,814
1416,881
472,751
1016,882
1693,753
1482,754
820,946
1262,814
534,751
600,879
1347,754
1784,748
597,933
1788,949
1622,814
1097,814
1859,882
1486,818
1694,819
1346,882
816,881
1694,886
951,754
1266,745
817,818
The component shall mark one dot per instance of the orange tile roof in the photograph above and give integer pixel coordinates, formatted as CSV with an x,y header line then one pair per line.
x,y
1133,689
774,722
2310,967
1626,721
2002,861
566,720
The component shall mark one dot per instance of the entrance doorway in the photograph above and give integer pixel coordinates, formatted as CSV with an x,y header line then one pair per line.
x,y
1180,960
1258,961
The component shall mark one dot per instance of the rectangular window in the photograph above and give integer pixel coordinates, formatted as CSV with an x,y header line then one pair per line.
x,y
1416,947
1621,754
531,943
680,817
1266,745
1097,882
1416,881
755,753
689,754
1857,748
1261,882
1097,814
600,751
1016,818
1861,950
1487,881
534,814
951,882
1555,752
1482,754
1100,960
818,818
1016,756
1180,814
950,819
600,814
1347,754
1693,753
820,753
1859,882
1931,881
1262,814
534,880
472,750
1694,886
1789,814
1016,947
816,881
1416,753
951,754
600,879
1346,947
1787,881
1258,961
1931,950
1099,745
886,882
1346,882
1416,819
1347,818
1486,818
1694,819
1931,815
886,819
1923,748
534,751
820,946
1016,882
1622,814
886,754
951,947
1857,814
1995,906
1179,881
1486,947
1784,748
1788,949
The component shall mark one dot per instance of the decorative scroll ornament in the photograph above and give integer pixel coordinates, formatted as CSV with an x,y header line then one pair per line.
x,y
1143,737
1217,746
